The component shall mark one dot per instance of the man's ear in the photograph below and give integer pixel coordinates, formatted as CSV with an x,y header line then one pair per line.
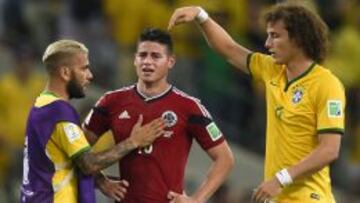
x,y
172,61
65,73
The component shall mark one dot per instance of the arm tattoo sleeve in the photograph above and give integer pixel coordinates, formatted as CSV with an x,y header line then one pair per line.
x,y
91,163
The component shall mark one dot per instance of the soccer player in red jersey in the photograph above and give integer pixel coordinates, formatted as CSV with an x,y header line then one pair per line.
x,y
156,173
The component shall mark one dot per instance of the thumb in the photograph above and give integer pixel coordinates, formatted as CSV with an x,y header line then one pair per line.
x,y
125,183
172,195
139,121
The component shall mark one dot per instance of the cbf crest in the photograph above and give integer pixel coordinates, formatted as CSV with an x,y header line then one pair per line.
x,y
170,118
298,94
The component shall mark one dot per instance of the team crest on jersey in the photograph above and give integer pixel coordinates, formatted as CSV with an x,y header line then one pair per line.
x,y
298,94
170,118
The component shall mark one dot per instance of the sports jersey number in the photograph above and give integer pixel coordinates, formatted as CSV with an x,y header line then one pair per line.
x,y
146,150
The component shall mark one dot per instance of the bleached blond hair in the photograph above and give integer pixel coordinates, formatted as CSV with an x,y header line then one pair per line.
x,y
60,53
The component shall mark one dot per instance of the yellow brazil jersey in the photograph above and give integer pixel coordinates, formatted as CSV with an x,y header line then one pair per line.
x,y
297,111
67,142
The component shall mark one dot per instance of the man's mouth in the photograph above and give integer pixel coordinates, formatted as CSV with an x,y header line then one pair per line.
x,y
272,53
147,70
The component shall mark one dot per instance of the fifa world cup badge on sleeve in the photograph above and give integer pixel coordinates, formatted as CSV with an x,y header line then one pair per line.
x,y
213,131
72,132
334,108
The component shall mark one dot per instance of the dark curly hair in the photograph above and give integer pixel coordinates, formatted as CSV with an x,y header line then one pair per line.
x,y
304,26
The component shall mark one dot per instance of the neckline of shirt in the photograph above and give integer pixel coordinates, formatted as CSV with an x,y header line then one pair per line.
x,y
49,93
147,98
302,75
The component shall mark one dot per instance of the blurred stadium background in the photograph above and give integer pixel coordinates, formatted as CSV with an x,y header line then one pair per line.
x,y
110,27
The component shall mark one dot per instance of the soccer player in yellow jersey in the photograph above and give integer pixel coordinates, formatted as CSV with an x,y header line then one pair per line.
x,y
305,101
57,156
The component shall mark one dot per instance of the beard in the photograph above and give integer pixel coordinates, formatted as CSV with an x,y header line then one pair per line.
x,y
74,89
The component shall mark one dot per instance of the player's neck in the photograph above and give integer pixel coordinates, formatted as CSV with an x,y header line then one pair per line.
x,y
151,90
297,67
56,89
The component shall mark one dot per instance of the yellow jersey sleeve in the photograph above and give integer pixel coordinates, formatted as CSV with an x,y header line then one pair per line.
x,y
70,138
262,67
330,106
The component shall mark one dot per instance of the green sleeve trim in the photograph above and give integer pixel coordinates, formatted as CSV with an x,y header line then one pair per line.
x,y
248,60
340,131
81,151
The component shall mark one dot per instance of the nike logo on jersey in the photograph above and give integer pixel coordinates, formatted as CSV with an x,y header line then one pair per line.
x,y
124,115
273,83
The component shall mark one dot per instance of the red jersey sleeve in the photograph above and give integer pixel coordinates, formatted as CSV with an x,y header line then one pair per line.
x,y
202,127
98,120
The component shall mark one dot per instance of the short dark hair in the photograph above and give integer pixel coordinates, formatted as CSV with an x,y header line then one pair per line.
x,y
157,35
304,26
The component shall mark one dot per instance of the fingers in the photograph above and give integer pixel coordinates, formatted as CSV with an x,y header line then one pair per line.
x,y
118,196
172,195
125,183
157,122
119,190
176,19
146,134
115,189
259,196
155,127
173,19
119,193
182,15
139,121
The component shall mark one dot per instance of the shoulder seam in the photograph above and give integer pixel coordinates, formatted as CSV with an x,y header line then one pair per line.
x,y
123,89
197,101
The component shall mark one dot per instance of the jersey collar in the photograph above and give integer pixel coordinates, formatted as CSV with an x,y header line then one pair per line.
x,y
288,83
49,93
152,98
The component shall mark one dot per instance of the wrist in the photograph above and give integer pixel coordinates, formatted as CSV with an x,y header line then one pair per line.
x,y
131,143
284,177
99,178
202,16
197,199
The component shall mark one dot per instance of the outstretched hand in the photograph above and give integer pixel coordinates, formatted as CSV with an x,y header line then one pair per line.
x,y
183,15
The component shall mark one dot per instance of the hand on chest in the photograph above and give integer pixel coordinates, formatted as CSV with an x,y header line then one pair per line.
x,y
124,119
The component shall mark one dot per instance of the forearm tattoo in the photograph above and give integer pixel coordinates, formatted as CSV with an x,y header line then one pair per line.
x,y
91,163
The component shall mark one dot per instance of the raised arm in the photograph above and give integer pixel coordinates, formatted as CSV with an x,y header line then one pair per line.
x,y
217,38
141,136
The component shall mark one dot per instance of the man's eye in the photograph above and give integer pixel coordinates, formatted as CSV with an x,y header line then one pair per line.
x,y
156,56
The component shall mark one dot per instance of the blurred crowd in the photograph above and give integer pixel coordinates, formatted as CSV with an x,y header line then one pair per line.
x,y
110,28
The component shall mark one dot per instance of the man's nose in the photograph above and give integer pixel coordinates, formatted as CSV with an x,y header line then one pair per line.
x,y
268,43
90,75
147,59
